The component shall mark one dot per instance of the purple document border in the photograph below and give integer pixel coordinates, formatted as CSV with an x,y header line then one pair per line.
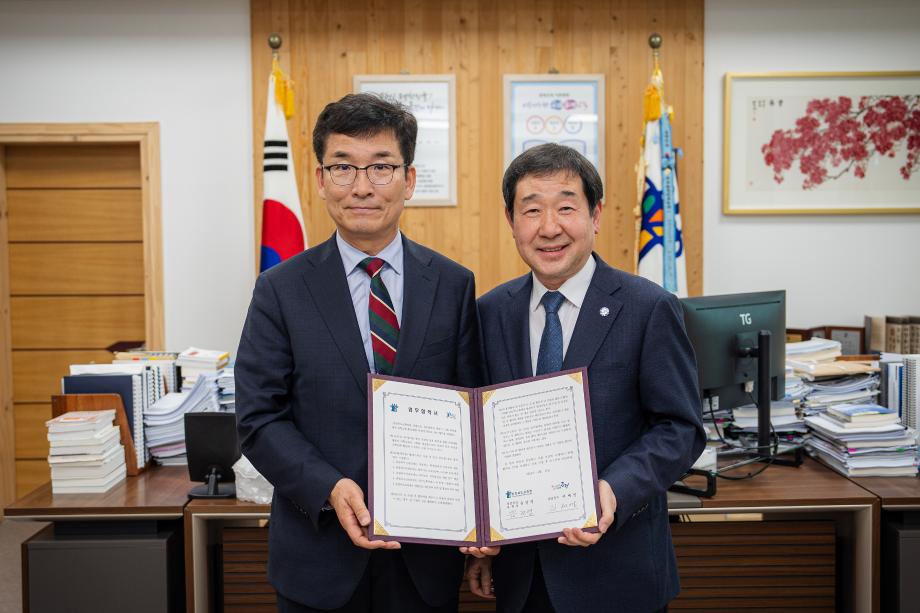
x,y
484,485
370,461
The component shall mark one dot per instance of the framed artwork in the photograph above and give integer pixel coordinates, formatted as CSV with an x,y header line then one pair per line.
x,y
432,99
821,143
555,108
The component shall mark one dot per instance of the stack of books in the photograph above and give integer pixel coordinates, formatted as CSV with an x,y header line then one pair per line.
x,y
194,362
863,440
893,333
86,452
164,422
166,361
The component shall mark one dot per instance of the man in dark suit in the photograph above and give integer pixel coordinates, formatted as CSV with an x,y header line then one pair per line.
x,y
366,300
574,310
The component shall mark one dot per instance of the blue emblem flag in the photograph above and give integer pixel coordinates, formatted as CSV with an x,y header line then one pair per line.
x,y
660,243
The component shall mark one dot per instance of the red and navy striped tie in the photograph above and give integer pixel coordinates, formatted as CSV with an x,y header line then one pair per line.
x,y
382,317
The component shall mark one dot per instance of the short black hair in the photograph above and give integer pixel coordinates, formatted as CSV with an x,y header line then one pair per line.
x,y
363,115
548,159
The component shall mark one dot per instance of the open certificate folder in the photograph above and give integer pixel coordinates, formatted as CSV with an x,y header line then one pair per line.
x,y
478,467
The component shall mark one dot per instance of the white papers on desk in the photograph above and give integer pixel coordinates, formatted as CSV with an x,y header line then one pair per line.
x,y
165,421
812,346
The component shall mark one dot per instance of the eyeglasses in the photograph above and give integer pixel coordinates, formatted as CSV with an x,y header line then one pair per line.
x,y
378,174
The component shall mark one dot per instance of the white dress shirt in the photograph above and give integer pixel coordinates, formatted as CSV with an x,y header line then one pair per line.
x,y
573,291
359,284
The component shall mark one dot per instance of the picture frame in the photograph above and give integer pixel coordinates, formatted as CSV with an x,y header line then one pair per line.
x,y
432,99
562,108
820,143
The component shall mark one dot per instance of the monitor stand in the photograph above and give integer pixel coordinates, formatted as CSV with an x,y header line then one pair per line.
x,y
213,488
764,450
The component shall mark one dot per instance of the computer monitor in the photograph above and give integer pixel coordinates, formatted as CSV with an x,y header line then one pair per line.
x,y
740,345
213,447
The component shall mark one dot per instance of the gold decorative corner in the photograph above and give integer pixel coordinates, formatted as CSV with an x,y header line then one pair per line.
x,y
378,529
378,383
487,395
576,376
466,397
471,537
495,535
592,521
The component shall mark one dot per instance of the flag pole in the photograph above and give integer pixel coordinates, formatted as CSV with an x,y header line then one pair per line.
x,y
274,41
654,41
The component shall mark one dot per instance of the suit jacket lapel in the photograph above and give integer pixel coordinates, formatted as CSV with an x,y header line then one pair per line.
x,y
593,326
326,283
419,286
515,322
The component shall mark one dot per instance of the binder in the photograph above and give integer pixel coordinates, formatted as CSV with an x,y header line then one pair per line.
x,y
133,396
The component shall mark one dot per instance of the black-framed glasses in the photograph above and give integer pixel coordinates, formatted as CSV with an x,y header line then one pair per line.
x,y
378,174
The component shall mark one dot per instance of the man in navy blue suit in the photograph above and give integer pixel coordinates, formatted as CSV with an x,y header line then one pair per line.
x,y
574,310
366,300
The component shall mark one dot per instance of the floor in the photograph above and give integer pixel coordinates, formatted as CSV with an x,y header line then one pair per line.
x,y
12,534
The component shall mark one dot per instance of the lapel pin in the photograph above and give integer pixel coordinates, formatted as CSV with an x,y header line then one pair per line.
x,y
605,311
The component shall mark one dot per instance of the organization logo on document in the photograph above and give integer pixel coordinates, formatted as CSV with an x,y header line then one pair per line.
x,y
394,408
451,415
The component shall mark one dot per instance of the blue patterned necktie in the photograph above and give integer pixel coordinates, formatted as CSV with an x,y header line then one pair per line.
x,y
549,359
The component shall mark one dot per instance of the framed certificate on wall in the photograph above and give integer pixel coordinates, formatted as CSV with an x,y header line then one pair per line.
x,y
432,99
567,109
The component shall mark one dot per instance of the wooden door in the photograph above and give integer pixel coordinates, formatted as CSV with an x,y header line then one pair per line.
x,y
76,284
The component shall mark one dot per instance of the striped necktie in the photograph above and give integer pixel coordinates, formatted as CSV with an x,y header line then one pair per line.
x,y
382,317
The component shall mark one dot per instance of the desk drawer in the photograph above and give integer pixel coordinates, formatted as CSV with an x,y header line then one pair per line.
x,y
768,566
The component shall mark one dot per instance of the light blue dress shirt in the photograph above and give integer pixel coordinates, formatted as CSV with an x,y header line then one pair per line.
x,y
359,284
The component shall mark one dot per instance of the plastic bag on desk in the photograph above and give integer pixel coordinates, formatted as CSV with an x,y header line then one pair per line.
x,y
251,486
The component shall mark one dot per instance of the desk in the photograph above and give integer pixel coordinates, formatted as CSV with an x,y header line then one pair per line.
x,y
202,519
812,491
133,531
900,539
158,493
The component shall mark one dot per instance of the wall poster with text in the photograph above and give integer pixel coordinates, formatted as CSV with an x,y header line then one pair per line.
x,y
432,99
567,109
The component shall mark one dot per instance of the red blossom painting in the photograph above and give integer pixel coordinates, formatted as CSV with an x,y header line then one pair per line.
x,y
837,136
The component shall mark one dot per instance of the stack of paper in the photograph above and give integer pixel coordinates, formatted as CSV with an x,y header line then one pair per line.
x,y
825,392
863,440
804,357
787,425
226,384
164,422
194,362
796,389
86,452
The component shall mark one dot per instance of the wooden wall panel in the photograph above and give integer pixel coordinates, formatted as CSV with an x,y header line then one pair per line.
x,y
31,474
75,215
94,166
326,43
31,432
7,428
49,269
84,322
37,374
